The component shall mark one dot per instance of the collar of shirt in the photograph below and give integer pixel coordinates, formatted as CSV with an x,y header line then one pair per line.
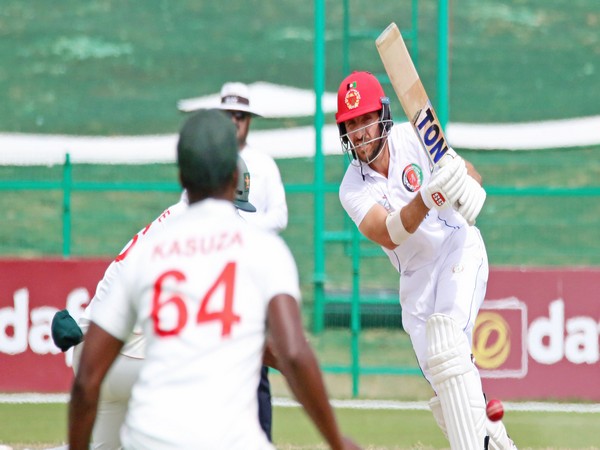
x,y
213,206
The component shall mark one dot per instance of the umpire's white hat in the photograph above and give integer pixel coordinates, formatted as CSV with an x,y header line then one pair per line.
x,y
235,96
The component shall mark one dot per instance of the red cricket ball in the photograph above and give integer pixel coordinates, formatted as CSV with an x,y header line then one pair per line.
x,y
494,410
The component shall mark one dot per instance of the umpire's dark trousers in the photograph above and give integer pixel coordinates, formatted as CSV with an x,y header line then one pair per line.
x,y
265,413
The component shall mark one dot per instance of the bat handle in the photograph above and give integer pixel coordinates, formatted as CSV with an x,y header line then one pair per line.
x,y
447,157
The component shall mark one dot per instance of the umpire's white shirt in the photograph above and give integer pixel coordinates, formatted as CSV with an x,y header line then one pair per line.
x,y
197,388
267,192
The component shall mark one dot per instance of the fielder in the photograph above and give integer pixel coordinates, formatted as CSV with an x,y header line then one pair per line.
x,y
116,388
205,293
421,220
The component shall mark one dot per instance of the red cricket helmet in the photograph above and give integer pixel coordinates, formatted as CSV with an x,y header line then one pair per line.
x,y
359,93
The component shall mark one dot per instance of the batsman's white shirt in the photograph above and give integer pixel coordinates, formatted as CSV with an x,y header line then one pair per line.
x,y
443,264
267,193
409,169
200,291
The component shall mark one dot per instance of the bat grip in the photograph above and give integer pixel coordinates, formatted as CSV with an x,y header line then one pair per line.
x,y
447,157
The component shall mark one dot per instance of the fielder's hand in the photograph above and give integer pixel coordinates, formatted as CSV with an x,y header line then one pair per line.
x,y
446,184
471,200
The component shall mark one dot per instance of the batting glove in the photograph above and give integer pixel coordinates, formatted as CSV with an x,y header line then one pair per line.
x,y
448,178
455,189
471,201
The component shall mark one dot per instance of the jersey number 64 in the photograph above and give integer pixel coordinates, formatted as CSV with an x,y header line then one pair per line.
x,y
174,306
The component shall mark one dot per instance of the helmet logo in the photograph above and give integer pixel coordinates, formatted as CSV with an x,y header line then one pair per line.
x,y
412,177
352,99
246,181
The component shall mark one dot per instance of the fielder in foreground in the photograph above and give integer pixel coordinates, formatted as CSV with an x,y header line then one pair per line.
x,y
116,388
397,201
206,292
267,195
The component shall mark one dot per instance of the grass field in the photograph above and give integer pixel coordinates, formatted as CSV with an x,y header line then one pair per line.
x,y
108,67
38,426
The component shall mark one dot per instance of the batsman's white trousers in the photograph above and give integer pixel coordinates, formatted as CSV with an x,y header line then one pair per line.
x,y
114,397
454,284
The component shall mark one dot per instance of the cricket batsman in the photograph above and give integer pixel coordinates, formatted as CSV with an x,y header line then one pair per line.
x,y
421,218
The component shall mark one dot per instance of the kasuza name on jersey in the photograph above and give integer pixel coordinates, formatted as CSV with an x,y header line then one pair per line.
x,y
194,245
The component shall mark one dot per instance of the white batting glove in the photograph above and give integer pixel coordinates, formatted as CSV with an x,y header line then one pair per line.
x,y
444,180
456,187
471,201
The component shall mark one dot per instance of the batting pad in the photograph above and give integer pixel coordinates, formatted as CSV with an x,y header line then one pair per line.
x,y
438,414
499,440
457,383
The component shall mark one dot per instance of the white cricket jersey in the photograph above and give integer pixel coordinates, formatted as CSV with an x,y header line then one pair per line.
x,y
409,169
134,345
200,291
267,193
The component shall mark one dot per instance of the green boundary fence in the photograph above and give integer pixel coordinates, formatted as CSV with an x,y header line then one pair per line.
x,y
354,299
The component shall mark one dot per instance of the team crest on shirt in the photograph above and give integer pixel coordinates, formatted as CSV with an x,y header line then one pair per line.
x,y
412,177
352,99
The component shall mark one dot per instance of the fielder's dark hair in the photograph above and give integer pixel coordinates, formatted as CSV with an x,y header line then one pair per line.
x,y
207,152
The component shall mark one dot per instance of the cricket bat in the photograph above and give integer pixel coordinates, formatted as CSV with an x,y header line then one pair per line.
x,y
411,93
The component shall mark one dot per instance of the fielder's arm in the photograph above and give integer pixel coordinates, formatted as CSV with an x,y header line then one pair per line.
x,y
98,354
300,367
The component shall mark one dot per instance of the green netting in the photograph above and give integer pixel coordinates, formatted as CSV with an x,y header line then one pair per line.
x,y
543,209
512,61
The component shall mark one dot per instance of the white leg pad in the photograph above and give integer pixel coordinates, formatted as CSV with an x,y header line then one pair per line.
x,y
457,383
499,440
438,414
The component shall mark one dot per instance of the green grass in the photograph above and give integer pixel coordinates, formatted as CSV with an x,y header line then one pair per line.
x,y
378,429
43,425
109,67
33,423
